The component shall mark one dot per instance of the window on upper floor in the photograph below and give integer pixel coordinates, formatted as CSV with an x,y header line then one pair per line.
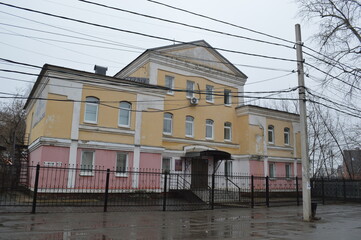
x,y
91,110
227,131
87,163
271,134
209,129
227,97
189,126
167,123
169,83
209,93
286,136
121,164
272,170
124,114
190,89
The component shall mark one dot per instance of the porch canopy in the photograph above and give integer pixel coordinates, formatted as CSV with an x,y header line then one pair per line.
x,y
217,155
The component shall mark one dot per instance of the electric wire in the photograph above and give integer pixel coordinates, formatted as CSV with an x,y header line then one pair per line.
x,y
220,21
183,24
144,34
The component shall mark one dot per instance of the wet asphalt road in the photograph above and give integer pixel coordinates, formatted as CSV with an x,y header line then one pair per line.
x,y
338,222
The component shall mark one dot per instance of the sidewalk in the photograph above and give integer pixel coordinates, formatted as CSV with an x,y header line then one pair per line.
x,y
338,222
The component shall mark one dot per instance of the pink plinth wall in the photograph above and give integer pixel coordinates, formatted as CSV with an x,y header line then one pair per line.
x,y
56,175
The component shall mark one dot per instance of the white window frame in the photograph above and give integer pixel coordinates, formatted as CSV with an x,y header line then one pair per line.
x,y
190,123
190,92
209,94
171,123
169,79
87,104
271,132
210,124
124,172
271,170
227,97
129,114
286,132
228,128
87,172
288,166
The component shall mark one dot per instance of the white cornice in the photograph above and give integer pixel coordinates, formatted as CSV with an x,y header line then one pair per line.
x,y
89,128
265,112
280,148
284,159
46,141
202,143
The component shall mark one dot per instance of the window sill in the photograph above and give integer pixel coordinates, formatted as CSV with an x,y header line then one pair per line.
x,y
190,137
123,126
86,174
171,94
209,139
211,102
92,123
167,134
121,175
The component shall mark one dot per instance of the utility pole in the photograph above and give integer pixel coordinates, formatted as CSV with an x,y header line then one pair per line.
x,y
306,186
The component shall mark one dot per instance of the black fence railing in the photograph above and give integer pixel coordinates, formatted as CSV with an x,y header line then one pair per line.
x,y
98,189
324,189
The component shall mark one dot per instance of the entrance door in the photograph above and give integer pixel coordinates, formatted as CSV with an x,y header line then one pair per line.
x,y
199,173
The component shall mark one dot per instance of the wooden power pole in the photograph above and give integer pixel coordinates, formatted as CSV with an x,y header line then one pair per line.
x,y
306,186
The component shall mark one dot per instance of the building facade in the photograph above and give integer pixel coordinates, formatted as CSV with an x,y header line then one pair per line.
x,y
159,112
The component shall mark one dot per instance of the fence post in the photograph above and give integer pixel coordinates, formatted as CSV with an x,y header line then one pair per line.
x,y
267,191
297,192
323,191
212,190
165,190
344,189
33,210
177,181
106,191
252,191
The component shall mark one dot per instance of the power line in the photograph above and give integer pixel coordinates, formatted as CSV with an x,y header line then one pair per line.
x,y
328,74
220,21
127,81
331,101
183,24
144,34
107,41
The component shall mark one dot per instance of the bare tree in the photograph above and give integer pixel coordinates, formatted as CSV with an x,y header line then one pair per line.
x,y
339,38
12,128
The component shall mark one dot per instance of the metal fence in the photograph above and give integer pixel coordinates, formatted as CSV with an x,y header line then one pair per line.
x,y
52,188
324,189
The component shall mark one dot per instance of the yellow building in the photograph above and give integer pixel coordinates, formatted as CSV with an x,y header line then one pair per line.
x,y
177,107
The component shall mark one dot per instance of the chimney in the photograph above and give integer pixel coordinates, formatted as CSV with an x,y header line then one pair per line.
x,y
100,70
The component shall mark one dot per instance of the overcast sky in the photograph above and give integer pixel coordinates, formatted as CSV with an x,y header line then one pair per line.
x,y
115,49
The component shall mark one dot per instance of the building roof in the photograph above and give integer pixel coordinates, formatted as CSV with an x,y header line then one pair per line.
x,y
79,74
176,51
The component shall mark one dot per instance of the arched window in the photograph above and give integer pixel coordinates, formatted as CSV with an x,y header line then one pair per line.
x,y
168,123
124,114
91,110
209,129
227,131
287,136
189,126
271,135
